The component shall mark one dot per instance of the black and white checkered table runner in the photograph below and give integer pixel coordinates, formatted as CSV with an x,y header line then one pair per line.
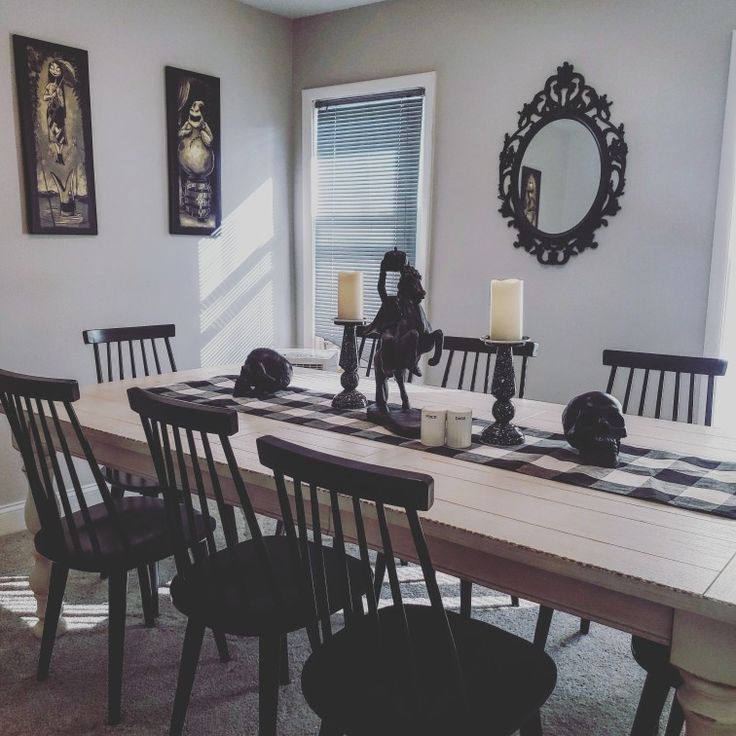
x,y
664,477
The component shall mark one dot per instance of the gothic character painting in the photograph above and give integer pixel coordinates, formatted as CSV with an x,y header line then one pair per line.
x,y
531,183
193,132
56,135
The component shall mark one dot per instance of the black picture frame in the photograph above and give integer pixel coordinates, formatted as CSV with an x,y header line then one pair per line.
x,y
529,207
52,83
193,146
565,96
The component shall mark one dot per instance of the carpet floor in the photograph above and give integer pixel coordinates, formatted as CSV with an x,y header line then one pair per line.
x,y
597,690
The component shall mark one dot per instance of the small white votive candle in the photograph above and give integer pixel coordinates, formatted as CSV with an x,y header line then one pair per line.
x,y
350,295
507,309
433,426
459,428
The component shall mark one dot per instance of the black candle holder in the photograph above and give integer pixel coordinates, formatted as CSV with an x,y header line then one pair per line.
x,y
349,397
503,433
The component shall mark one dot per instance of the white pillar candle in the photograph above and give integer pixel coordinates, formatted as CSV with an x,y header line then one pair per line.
x,y
459,428
433,426
507,309
350,295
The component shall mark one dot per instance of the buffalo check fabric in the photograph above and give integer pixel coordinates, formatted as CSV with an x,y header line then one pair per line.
x,y
663,477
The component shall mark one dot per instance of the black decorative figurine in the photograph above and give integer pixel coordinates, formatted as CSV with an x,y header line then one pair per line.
x,y
264,372
503,387
594,425
349,397
404,335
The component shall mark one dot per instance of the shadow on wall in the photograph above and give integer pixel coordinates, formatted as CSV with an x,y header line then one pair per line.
x,y
236,293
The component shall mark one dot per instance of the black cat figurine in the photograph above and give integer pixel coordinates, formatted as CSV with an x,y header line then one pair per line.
x,y
264,372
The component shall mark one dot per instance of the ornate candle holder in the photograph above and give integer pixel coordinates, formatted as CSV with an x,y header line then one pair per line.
x,y
503,432
349,397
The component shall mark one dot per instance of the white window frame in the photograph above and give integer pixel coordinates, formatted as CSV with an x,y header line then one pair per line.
x,y
305,230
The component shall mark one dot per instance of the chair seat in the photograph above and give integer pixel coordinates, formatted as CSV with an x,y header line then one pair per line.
x,y
130,482
230,590
143,523
655,658
359,685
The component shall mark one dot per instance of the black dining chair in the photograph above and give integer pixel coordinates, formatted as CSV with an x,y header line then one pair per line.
x,y
402,669
113,535
472,371
671,369
243,588
130,352
673,372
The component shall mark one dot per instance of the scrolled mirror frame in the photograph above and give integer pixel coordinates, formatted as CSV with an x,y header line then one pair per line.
x,y
565,95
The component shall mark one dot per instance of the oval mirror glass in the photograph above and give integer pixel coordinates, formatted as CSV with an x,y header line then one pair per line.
x,y
559,176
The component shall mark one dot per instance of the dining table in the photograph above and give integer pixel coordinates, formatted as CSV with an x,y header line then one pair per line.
x,y
650,569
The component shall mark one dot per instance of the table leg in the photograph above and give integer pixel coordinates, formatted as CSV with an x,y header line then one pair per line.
x,y
38,578
705,653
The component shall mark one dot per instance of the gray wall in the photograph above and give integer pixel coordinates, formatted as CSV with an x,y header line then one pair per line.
x,y
663,63
225,294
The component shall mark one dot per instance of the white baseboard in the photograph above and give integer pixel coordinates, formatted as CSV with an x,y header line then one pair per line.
x,y
11,517
11,514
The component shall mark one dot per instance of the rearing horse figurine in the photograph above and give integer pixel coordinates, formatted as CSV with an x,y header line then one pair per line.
x,y
404,335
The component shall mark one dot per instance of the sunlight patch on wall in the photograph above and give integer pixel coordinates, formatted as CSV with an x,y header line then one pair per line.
x,y
235,282
245,230
214,309
242,331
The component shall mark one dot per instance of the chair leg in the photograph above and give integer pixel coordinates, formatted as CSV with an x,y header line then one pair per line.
x,y
144,582
187,669
279,528
222,648
466,598
229,525
269,661
651,705
584,625
153,574
543,623
515,601
379,574
118,583
676,721
116,492
57,584
285,675
533,727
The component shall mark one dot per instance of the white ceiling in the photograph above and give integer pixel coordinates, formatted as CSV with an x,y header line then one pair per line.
x,y
300,8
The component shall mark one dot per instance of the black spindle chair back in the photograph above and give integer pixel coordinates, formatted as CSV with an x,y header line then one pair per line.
x,y
188,444
36,409
131,352
686,370
326,490
475,372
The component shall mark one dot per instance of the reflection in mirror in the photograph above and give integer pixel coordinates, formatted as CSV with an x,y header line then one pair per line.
x,y
559,176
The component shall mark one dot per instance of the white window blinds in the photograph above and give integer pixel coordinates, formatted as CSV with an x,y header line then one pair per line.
x,y
368,155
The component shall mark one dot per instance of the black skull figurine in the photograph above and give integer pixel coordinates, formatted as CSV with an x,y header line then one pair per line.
x,y
264,372
594,425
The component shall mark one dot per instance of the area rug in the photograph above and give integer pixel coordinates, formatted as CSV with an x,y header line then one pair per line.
x,y
597,691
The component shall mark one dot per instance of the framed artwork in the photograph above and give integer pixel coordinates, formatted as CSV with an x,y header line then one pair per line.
x,y
56,137
193,134
531,184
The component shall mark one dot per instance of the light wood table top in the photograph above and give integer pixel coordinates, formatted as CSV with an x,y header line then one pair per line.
x,y
666,555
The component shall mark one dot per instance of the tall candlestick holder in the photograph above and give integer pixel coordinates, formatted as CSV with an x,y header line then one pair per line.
x,y
503,433
349,397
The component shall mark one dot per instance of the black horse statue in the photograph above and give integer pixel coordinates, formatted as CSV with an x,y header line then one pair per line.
x,y
404,335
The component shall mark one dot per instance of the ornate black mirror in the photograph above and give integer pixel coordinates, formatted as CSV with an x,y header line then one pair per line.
x,y
562,171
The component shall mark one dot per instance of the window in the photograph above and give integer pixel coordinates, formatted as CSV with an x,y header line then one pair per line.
x,y
366,174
